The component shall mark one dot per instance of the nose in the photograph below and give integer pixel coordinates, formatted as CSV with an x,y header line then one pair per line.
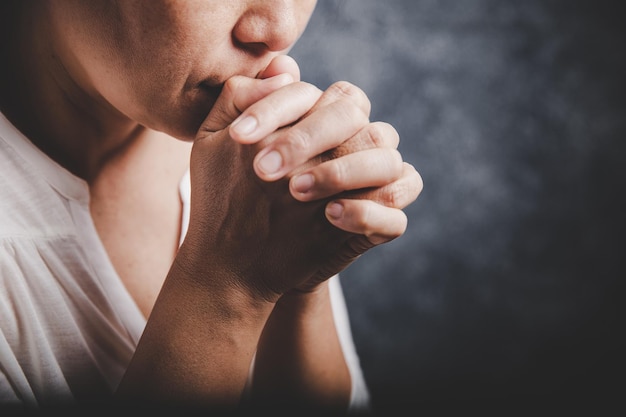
x,y
269,25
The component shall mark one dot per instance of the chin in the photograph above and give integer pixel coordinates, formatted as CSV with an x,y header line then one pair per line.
x,y
183,121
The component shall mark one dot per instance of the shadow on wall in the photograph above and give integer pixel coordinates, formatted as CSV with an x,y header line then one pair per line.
x,y
508,281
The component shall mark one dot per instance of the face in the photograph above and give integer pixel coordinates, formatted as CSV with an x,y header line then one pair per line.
x,y
162,62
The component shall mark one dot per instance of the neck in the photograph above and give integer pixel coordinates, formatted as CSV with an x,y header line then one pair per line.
x,y
76,128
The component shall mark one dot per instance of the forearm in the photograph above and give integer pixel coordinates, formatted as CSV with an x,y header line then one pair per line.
x,y
198,344
299,358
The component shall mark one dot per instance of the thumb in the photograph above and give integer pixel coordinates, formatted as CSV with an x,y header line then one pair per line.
x,y
238,93
281,64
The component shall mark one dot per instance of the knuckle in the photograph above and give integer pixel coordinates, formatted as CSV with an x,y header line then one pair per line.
x,y
232,91
361,217
350,91
402,192
398,228
231,86
345,88
394,228
375,135
395,163
392,196
298,141
386,165
307,89
350,111
382,134
336,174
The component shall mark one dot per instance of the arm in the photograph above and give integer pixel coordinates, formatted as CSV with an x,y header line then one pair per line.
x,y
300,358
260,248
199,341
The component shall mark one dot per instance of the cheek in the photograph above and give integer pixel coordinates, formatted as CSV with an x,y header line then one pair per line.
x,y
139,57
168,109
152,89
156,78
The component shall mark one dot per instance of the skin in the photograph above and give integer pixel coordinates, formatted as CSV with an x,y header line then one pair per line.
x,y
290,184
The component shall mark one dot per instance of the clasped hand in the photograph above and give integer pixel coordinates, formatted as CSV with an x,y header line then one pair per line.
x,y
290,184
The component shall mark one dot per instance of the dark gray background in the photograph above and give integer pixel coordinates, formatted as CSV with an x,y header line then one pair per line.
x,y
508,281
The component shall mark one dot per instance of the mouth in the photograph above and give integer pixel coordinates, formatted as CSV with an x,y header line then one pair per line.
x,y
212,87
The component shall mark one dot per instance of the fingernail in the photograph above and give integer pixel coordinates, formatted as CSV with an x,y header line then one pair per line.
x,y
270,163
303,183
244,126
334,210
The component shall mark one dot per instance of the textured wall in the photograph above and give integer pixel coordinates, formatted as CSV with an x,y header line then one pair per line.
x,y
508,282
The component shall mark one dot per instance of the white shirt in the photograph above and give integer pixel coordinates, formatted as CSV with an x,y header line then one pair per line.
x,y
68,326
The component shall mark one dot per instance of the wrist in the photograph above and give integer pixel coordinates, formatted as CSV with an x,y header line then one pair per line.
x,y
309,301
219,286
199,310
214,268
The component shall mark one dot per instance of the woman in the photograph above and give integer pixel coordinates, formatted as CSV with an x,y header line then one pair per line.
x,y
176,205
